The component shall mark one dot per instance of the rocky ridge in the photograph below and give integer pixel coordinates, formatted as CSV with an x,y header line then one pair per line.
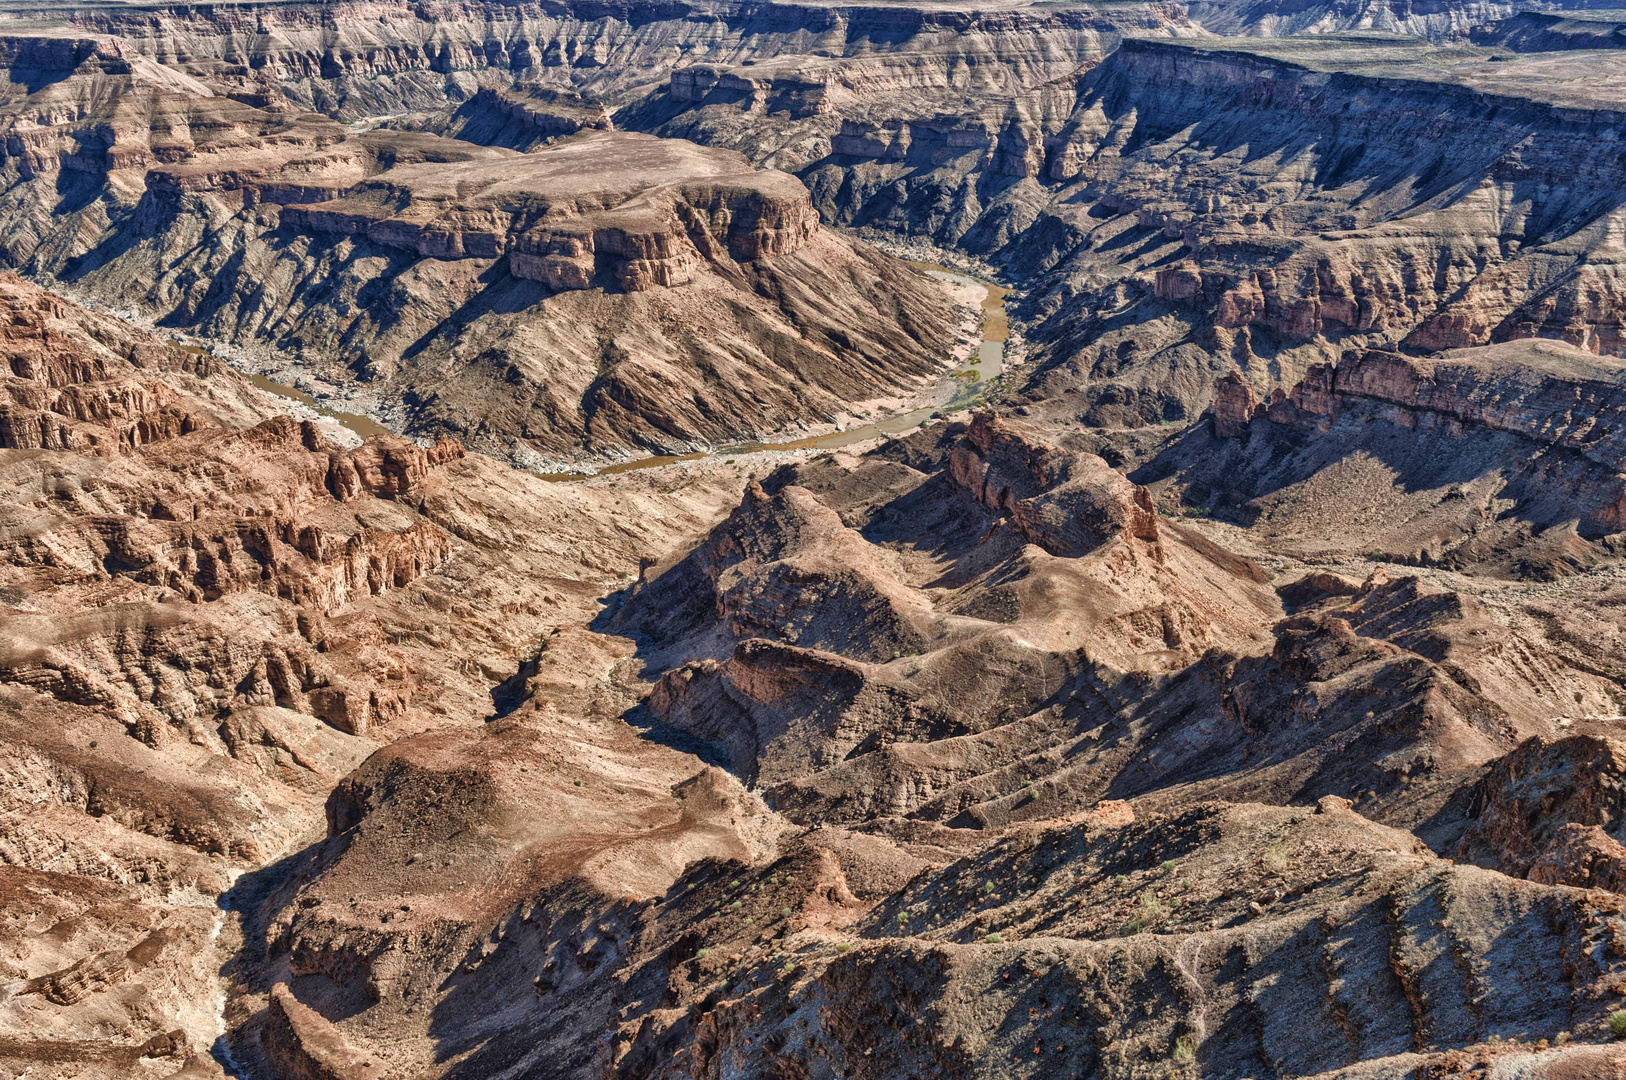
x,y
1087,733
612,294
1140,850
205,628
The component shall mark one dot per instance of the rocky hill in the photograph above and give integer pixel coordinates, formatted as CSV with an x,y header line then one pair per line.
x,y
612,294
212,614
1217,669
1040,799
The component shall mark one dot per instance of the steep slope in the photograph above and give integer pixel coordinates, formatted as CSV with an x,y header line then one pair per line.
x,y
212,614
1186,207
614,293
1262,210
1500,459
1182,207
1241,695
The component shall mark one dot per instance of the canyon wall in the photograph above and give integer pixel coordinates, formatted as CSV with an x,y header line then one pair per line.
x,y
612,294
1390,192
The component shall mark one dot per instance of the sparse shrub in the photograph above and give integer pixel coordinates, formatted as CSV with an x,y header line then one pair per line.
x,y
842,947
750,920
993,938
735,906
785,913
1121,878
1152,911
1617,1024
701,954
988,886
1168,864
1185,1048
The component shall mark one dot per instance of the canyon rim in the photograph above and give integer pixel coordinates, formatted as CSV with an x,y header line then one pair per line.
x,y
734,538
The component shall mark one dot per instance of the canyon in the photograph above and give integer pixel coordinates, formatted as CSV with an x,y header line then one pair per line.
x,y
717,539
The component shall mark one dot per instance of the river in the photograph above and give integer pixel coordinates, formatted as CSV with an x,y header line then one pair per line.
x,y
957,390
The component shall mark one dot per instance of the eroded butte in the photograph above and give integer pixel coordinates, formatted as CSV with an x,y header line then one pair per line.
x,y
705,540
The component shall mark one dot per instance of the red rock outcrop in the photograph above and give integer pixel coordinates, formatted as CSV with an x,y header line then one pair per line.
x,y
94,973
66,390
201,635
303,1045
1235,404
1583,856
1542,810
1069,504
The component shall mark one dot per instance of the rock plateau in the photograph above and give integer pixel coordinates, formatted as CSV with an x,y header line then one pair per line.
x,y
706,658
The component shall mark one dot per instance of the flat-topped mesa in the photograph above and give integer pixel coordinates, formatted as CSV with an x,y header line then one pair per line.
x,y
666,240
1067,503
544,112
1552,31
603,207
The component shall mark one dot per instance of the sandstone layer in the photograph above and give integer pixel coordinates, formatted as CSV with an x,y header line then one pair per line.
x,y
212,614
1235,689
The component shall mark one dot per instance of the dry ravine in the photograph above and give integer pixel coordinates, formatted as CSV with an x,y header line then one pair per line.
x,y
721,540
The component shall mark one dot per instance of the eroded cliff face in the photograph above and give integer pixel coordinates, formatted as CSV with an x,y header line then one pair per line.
x,y
1206,205
368,59
1498,459
207,624
613,294
520,779
1054,737
1360,210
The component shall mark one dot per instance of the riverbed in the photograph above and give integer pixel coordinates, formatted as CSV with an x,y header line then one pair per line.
x,y
956,390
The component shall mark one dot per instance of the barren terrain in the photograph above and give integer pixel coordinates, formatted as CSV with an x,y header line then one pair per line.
x,y
954,540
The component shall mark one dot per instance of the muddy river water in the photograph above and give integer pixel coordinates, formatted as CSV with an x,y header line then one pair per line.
x,y
955,391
